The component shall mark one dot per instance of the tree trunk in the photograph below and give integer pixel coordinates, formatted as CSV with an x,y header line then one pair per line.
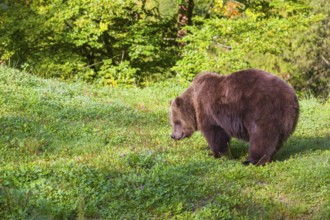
x,y
184,18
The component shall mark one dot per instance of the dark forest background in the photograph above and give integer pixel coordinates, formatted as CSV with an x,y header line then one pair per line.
x,y
138,42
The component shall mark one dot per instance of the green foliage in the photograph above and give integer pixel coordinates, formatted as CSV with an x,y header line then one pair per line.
x,y
225,45
286,38
88,39
72,150
312,54
133,42
122,74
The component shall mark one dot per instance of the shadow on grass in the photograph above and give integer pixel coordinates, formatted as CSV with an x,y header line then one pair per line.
x,y
292,147
299,145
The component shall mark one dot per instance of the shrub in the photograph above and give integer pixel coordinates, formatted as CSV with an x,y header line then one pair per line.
x,y
287,39
89,39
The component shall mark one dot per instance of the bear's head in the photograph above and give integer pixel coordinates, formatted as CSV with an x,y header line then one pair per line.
x,y
182,118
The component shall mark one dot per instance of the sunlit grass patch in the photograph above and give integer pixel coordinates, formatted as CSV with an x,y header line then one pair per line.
x,y
70,150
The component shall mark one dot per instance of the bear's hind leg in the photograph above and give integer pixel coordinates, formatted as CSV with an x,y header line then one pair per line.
x,y
261,149
217,140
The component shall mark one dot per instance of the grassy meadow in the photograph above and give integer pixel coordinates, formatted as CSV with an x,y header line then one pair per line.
x,y
78,151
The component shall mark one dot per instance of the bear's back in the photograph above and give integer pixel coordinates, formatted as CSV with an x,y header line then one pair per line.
x,y
244,97
251,78
248,84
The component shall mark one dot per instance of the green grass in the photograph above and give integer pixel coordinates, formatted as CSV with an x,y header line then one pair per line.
x,y
71,150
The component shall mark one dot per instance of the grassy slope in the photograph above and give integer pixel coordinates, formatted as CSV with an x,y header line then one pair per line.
x,y
75,150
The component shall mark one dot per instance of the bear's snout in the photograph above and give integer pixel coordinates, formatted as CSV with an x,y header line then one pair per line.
x,y
177,137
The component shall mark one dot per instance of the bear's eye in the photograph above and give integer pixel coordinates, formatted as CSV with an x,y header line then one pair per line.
x,y
177,122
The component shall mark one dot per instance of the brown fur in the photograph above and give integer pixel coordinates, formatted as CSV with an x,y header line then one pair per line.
x,y
251,105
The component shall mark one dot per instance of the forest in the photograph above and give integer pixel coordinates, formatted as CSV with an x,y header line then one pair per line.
x,y
138,42
85,89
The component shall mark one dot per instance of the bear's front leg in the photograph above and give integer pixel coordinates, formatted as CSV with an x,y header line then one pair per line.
x,y
217,140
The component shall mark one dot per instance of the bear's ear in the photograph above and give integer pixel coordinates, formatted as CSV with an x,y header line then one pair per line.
x,y
178,101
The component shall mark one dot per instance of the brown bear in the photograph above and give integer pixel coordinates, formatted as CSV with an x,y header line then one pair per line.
x,y
252,105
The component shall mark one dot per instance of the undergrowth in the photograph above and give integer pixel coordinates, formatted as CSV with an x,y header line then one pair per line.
x,y
75,151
